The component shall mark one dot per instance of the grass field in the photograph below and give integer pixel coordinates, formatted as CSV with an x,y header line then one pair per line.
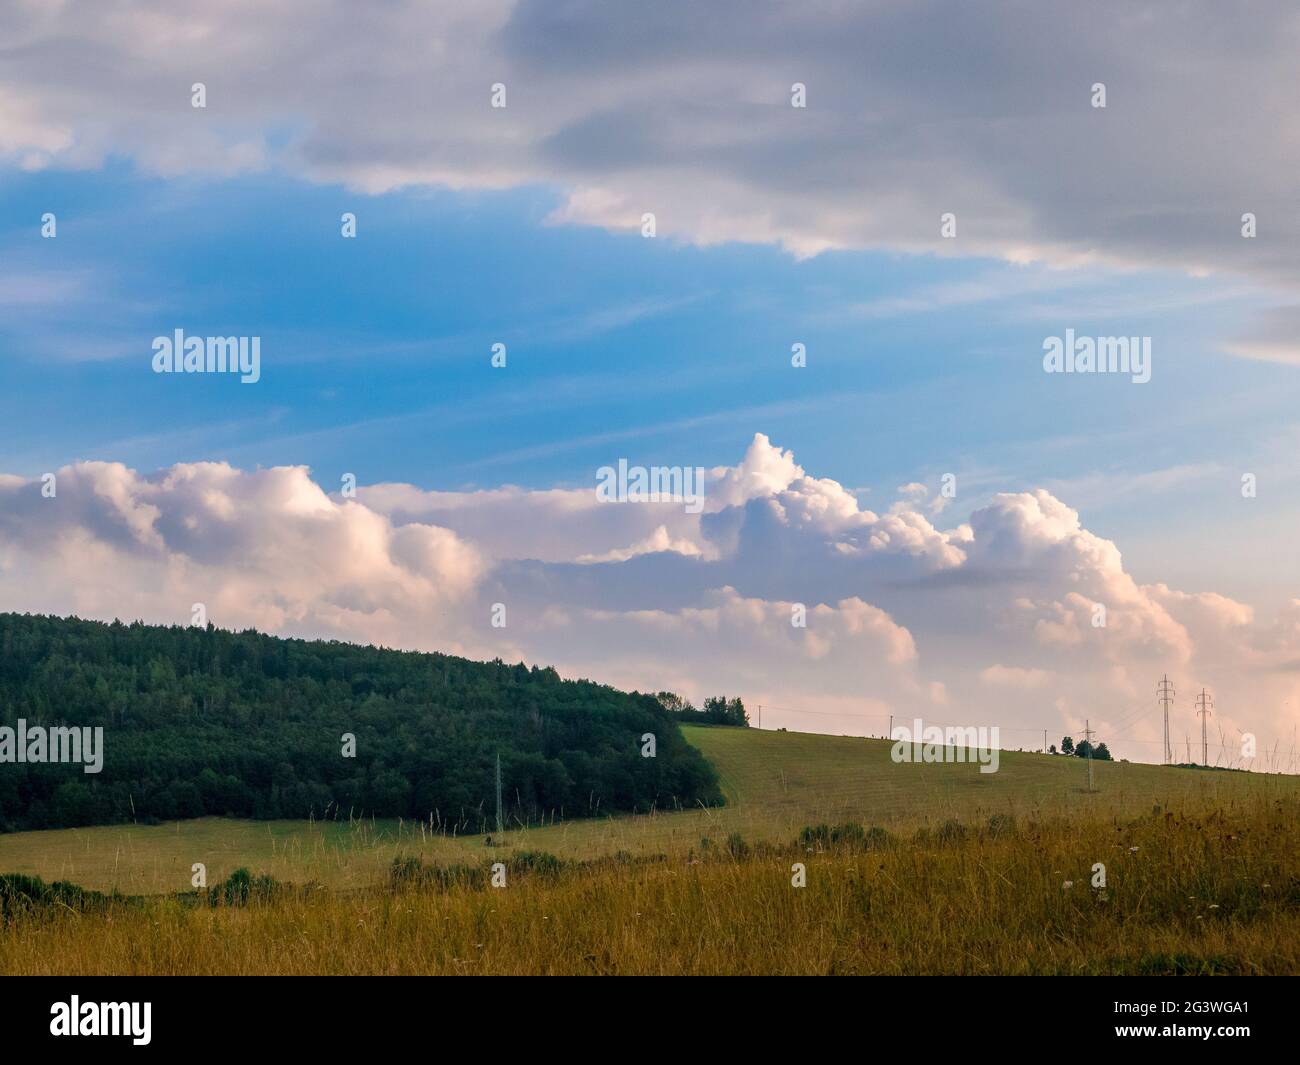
x,y
775,783
1214,894
1202,876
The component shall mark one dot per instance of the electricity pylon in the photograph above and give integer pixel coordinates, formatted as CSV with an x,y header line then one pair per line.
x,y
1166,691
1204,704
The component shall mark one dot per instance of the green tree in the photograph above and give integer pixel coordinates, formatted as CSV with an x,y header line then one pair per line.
x,y
203,721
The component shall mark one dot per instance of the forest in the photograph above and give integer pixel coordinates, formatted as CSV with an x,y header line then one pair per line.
x,y
203,721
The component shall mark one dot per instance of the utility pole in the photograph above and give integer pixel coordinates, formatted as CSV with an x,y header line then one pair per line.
x,y
1087,735
1166,691
760,716
1204,703
500,827
1044,741
891,727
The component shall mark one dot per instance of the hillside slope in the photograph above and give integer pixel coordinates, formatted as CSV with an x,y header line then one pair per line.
x,y
775,783
789,779
207,722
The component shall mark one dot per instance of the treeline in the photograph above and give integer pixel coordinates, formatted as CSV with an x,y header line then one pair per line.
x,y
718,710
1084,749
209,722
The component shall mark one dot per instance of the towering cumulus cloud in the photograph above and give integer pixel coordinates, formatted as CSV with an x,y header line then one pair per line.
x,y
783,590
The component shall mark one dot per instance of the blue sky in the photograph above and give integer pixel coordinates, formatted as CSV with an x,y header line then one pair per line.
x,y
376,356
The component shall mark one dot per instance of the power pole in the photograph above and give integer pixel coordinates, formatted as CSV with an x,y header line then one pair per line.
x,y
1087,735
1204,703
1044,741
891,727
1166,691
500,827
760,716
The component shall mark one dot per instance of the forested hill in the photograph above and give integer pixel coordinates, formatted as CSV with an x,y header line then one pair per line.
x,y
204,721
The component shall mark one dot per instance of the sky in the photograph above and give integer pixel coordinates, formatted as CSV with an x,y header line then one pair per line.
x,y
947,514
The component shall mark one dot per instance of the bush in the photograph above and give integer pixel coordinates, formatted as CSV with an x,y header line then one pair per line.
x,y
1002,825
815,835
24,893
412,872
404,872
849,834
241,887
951,831
538,863
736,846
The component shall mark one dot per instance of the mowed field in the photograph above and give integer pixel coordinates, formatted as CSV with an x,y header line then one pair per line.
x,y
775,783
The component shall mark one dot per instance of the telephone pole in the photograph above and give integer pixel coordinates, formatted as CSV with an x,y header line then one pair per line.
x,y
500,827
760,716
1166,691
1087,736
1204,703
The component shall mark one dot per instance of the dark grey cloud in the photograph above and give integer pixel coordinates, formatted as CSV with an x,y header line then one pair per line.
x,y
683,109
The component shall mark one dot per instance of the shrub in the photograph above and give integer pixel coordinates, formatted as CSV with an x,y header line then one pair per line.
x,y
1002,825
19,892
539,863
951,831
736,846
403,871
814,835
241,887
849,834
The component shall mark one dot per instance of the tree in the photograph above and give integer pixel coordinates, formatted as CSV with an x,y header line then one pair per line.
x,y
1067,746
204,722
1102,754
674,703
1052,749
723,711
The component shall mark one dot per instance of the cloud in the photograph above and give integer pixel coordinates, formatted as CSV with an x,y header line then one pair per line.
x,y
1015,677
783,591
265,549
912,111
657,541
1273,339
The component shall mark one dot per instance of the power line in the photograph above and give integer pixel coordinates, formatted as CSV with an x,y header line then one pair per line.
x,y
1204,702
1087,738
1166,691
500,826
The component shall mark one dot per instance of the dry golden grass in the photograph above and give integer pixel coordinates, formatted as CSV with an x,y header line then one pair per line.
x,y
1218,892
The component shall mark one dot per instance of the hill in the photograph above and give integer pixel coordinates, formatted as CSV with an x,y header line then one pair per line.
x,y
775,784
1200,881
789,779
207,722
